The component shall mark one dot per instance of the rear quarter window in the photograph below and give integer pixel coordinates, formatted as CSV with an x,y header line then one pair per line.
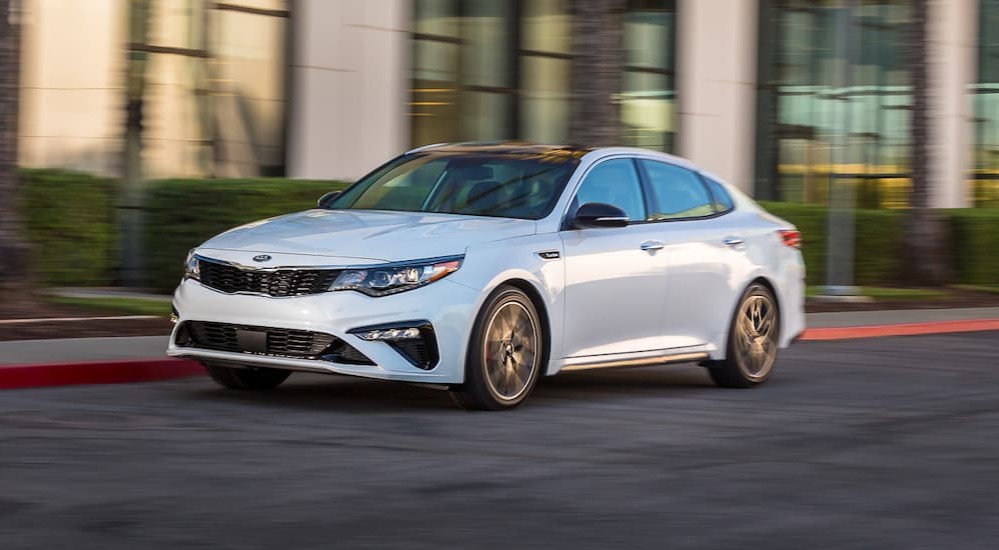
x,y
722,199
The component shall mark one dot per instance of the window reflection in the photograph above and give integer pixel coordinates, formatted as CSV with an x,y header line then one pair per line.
x,y
648,96
986,98
545,69
808,114
490,69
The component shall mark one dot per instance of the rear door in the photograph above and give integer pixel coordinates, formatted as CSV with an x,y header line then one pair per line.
x,y
691,225
614,277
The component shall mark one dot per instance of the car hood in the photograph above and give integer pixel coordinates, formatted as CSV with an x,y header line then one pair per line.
x,y
368,235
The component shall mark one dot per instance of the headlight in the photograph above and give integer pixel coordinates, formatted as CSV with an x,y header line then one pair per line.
x,y
399,277
191,268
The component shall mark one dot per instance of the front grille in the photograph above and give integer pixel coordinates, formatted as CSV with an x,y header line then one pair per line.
x,y
279,283
281,342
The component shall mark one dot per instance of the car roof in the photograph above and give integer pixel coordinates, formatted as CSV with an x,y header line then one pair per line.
x,y
504,147
528,148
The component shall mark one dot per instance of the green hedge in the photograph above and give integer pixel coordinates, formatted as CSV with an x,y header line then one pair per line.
x,y
70,220
70,224
975,233
181,214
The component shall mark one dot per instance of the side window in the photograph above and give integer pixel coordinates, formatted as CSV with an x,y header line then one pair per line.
x,y
614,182
723,201
677,193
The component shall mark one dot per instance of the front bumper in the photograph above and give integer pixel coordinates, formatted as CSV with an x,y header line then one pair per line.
x,y
449,307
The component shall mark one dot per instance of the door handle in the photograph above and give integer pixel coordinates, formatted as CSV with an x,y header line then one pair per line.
x,y
650,246
733,241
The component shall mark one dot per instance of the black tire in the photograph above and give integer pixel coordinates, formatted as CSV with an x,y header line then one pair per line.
x,y
250,378
501,374
744,366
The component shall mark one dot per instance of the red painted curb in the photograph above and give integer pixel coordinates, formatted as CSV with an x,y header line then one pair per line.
x,y
904,329
148,370
96,372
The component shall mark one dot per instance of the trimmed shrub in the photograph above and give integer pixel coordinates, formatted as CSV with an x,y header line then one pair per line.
x,y
70,219
183,213
70,223
975,232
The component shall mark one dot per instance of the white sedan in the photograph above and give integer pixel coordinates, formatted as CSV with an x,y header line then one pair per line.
x,y
479,268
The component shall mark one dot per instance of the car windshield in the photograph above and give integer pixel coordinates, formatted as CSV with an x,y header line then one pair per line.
x,y
507,185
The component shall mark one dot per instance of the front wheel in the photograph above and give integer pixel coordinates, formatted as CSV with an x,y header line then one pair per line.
x,y
250,378
505,353
752,341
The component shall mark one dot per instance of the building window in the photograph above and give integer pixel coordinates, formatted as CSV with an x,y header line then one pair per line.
x,y
436,46
813,126
546,59
490,70
648,98
986,97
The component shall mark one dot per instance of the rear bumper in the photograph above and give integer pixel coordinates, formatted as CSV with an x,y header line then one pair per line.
x,y
449,307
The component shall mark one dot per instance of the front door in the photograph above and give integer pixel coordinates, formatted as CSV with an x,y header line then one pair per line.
x,y
614,277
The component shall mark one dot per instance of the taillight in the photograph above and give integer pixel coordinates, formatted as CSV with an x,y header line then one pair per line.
x,y
791,237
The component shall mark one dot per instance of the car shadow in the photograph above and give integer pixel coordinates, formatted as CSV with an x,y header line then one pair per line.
x,y
345,393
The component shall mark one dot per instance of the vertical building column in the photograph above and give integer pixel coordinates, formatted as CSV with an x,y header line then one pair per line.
x,y
953,46
351,88
716,79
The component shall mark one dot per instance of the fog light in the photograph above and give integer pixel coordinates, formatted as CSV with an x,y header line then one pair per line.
x,y
414,340
411,333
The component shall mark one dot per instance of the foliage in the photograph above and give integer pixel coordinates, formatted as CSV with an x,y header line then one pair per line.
x,y
183,213
69,219
116,306
975,237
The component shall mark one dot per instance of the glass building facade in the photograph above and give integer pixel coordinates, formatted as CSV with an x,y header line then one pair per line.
x,y
834,100
501,69
217,87
985,92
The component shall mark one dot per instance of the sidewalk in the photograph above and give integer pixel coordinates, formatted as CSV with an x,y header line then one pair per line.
x,y
898,316
71,350
35,363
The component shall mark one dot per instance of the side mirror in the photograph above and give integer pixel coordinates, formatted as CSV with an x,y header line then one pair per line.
x,y
598,214
327,198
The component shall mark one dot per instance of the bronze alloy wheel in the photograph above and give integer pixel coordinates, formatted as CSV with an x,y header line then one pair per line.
x,y
510,350
506,353
752,341
756,335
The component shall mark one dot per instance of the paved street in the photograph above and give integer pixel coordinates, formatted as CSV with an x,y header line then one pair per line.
x,y
881,443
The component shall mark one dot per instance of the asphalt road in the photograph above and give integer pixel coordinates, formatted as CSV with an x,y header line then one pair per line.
x,y
870,444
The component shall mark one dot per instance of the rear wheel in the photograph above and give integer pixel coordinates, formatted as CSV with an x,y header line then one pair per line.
x,y
249,378
505,353
752,341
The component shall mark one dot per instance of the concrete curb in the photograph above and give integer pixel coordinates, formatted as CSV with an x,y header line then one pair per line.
x,y
96,372
148,370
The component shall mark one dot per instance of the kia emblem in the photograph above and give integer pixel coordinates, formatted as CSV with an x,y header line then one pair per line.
x,y
261,258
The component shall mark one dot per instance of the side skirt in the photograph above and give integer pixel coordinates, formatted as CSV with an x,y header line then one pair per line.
x,y
644,361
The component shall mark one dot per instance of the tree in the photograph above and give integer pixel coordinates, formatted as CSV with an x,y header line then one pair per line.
x,y
596,71
925,254
13,248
